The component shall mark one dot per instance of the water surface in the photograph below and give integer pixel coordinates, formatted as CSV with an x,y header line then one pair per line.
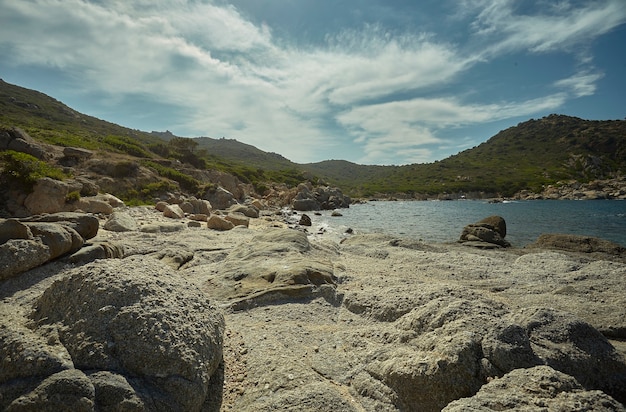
x,y
443,221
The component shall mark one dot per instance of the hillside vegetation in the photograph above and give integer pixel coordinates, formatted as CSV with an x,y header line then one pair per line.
x,y
51,121
527,156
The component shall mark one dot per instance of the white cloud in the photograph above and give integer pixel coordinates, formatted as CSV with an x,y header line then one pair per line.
x,y
233,78
560,28
581,84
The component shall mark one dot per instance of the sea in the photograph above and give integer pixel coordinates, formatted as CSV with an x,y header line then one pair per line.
x,y
443,221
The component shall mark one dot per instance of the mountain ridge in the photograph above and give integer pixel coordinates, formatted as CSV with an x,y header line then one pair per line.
x,y
529,156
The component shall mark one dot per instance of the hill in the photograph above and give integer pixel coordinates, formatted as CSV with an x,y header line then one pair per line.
x,y
173,158
528,156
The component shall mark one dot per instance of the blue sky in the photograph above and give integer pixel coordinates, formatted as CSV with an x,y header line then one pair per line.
x,y
369,81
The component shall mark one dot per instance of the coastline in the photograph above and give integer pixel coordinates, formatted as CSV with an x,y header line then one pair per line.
x,y
340,317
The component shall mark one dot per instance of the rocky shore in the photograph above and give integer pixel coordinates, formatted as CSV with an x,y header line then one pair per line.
x,y
160,309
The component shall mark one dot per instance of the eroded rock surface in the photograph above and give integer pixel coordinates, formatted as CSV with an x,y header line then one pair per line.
x,y
148,338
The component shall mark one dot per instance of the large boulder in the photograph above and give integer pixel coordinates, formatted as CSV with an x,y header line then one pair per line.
x,y
533,389
173,212
18,140
319,198
121,222
488,231
276,264
86,225
48,196
156,335
217,222
19,255
220,198
445,343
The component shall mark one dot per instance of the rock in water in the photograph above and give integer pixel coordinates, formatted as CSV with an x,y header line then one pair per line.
x,y
490,231
140,323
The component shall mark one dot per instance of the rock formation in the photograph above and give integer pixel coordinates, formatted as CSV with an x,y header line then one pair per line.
x,y
487,233
111,337
320,198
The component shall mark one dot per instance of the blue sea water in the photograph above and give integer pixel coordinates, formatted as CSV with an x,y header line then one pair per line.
x,y
443,221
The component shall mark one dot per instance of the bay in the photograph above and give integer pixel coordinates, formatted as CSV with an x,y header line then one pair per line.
x,y
443,221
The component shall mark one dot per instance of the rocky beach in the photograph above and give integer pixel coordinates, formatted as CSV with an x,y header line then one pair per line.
x,y
153,308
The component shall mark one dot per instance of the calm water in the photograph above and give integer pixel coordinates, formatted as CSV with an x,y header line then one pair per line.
x,y
443,221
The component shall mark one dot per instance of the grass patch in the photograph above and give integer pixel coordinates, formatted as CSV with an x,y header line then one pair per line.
x,y
24,170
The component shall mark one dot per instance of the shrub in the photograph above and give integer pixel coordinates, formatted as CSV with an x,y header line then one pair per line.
x,y
72,196
185,181
24,170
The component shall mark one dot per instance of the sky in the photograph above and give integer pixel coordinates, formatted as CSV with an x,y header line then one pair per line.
x,y
386,82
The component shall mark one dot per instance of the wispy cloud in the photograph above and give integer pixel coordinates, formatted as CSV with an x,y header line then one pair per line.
x,y
581,84
386,91
557,27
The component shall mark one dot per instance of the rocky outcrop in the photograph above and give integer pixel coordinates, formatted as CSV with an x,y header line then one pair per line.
x,y
319,198
32,242
487,233
217,222
275,265
574,190
536,388
220,198
578,243
18,140
120,221
110,337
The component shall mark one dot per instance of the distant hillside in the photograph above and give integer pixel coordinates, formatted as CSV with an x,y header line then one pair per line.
x,y
528,156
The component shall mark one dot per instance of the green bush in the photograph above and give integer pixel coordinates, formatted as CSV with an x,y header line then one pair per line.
x,y
127,145
185,181
72,197
24,170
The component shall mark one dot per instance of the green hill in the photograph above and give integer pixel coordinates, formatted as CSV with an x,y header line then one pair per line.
x,y
527,156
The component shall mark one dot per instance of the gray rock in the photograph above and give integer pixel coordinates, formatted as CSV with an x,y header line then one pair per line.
x,y
152,327
69,390
162,228
216,222
19,255
174,257
48,196
305,204
220,198
273,266
173,212
86,225
59,239
91,204
238,219
246,210
115,393
533,389
201,206
120,222
77,153
98,250
490,230
13,229
305,220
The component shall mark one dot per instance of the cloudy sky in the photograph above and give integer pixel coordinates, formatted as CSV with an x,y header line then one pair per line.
x,y
369,81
